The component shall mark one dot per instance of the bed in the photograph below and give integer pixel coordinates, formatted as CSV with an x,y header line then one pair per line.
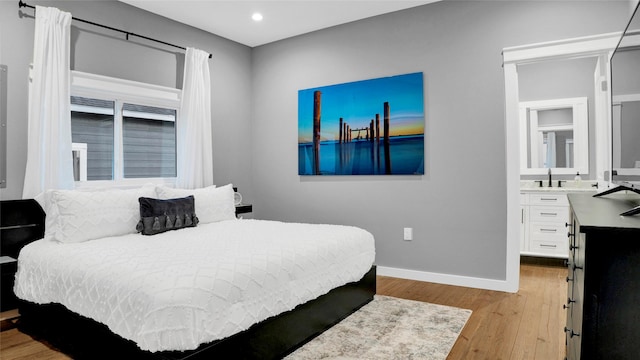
x,y
222,288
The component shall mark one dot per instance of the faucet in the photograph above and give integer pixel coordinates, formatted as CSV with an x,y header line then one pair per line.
x,y
550,177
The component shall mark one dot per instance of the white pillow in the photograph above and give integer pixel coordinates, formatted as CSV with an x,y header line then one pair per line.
x,y
75,216
211,203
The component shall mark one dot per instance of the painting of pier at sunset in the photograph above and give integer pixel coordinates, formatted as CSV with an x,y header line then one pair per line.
x,y
369,127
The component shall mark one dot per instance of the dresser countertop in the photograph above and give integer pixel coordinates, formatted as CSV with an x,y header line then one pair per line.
x,y
604,212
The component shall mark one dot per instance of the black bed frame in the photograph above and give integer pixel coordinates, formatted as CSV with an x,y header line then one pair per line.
x,y
274,338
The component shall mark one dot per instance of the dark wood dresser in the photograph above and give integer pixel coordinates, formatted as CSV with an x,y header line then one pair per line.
x,y
603,305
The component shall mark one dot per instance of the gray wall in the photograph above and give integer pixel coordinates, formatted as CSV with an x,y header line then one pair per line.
x,y
101,51
458,208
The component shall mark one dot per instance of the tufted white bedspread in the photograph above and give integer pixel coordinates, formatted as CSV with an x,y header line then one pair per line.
x,y
179,289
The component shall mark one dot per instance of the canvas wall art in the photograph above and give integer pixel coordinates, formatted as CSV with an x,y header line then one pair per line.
x,y
369,127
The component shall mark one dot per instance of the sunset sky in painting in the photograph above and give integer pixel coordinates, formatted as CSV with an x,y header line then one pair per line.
x,y
359,102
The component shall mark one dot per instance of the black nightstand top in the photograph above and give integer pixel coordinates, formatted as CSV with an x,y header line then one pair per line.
x,y
244,208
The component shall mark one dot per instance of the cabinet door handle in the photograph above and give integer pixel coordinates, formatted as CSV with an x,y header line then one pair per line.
x,y
548,246
575,267
548,230
571,333
569,279
548,214
549,199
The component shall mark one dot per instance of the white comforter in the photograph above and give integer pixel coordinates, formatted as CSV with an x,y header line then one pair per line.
x,y
179,289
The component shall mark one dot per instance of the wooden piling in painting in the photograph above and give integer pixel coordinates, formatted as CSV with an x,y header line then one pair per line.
x,y
377,144
387,158
317,101
386,122
340,139
371,130
373,146
344,135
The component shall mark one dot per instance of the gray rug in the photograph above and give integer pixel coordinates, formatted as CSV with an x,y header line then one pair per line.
x,y
389,328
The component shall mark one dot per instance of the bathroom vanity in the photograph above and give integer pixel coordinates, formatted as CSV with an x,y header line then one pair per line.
x,y
544,214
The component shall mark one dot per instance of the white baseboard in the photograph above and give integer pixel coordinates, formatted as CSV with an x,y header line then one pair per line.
x,y
456,280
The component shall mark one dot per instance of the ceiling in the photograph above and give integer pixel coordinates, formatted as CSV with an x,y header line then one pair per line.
x,y
282,19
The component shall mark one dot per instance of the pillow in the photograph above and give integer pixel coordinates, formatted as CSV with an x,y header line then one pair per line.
x,y
158,216
75,216
212,203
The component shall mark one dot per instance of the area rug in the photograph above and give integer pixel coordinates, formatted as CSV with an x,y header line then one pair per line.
x,y
389,328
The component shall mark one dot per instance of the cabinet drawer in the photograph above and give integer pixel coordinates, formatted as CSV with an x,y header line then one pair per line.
x,y
548,199
549,214
550,247
548,231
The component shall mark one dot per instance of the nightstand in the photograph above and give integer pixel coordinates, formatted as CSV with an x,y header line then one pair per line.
x,y
243,209
8,268
21,222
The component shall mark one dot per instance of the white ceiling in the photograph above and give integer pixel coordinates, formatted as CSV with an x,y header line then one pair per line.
x,y
282,19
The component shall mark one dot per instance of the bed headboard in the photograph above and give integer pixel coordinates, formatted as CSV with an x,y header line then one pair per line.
x,y
21,222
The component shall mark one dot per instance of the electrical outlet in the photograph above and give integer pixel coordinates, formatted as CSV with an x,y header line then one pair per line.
x,y
408,234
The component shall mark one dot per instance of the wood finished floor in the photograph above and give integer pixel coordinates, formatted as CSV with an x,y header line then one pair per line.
x,y
525,325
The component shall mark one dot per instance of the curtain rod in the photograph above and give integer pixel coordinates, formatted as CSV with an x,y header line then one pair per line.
x,y
22,4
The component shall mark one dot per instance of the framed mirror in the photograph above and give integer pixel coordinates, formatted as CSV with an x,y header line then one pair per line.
x,y
554,135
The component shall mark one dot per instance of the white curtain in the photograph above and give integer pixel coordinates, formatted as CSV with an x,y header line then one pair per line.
x,y
49,162
194,145
551,149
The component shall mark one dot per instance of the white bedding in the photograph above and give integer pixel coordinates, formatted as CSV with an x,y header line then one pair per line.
x,y
179,289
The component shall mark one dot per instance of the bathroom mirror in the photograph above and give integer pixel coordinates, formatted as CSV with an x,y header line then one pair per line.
x,y
554,135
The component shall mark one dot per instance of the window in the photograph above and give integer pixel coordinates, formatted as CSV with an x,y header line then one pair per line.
x,y
119,134
92,125
149,141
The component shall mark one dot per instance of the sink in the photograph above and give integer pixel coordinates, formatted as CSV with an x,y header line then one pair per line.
x,y
567,186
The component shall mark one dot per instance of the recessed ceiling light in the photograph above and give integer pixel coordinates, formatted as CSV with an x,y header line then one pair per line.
x,y
256,17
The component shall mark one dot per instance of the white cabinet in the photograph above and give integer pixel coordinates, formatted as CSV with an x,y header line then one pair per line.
x,y
524,228
524,222
543,224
